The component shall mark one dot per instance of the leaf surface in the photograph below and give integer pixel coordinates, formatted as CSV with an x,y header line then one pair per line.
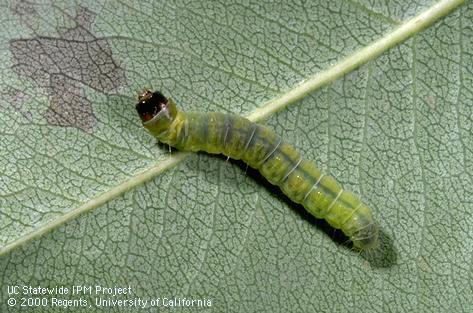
x,y
87,197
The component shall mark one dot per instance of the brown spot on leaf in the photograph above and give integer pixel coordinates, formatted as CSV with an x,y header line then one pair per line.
x,y
63,65
16,99
26,13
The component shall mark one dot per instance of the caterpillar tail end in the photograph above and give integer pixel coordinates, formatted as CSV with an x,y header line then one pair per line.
x,y
367,238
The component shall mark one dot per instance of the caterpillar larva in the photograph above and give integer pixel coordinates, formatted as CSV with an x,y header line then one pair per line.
x,y
259,147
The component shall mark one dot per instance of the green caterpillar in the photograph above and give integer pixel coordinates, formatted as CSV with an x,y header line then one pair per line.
x,y
259,147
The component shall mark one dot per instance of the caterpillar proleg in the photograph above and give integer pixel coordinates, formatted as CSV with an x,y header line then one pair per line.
x,y
259,147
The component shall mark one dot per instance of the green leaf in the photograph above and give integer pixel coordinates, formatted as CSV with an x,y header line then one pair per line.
x,y
377,94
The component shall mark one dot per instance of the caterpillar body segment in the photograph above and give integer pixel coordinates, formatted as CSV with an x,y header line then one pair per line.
x,y
258,146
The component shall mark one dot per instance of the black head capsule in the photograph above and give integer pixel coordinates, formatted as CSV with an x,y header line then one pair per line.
x,y
157,112
150,104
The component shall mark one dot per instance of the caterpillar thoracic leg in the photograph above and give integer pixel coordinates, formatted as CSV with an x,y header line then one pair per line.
x,y
260,148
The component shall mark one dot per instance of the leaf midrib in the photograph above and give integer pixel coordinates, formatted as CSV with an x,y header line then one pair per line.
x,y
350,63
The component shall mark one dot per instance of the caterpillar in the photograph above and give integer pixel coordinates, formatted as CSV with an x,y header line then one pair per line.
x,y
259,147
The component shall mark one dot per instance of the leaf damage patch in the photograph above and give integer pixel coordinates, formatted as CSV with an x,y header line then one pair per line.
x,y
63,65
